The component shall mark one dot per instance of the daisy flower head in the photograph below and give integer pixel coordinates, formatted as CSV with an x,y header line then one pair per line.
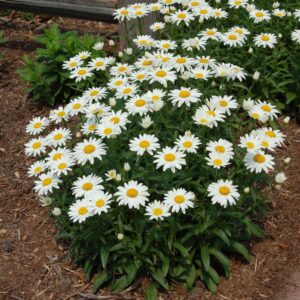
x,y
123,14
220,147
97,111
155,95
86,186
117,82
89,127
157,26
297,14
157,210
240,30
194,44
280,13
162,75
36,146
107,129
233,39
204,12
37,168
133,194
98,64
205,61
139,76
201,73
62,166
265,40
58,153
208,116
219,13
144,42
267,143
76,106
37,125
83,55
138,105
210,33
118,118
237,3
89,150
144,143
258,114
185,96
112,175
181,16
166,45
182,63
188,143
296,35
46,183
156,6
72,63
170,158
126,91
250,142
276,135
259,161
95,93
58,115
99,202
224,103
81,73
59,137
121,69
259,15
217,160
268,108
223,192
80,211
179,200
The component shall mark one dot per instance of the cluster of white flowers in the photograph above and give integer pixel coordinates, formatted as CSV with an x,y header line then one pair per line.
x,y
143,89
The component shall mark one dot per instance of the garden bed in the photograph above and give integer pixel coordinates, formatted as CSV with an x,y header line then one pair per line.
x,y
32,264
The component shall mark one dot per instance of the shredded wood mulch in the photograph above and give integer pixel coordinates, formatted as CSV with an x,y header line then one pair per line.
x,y
34,266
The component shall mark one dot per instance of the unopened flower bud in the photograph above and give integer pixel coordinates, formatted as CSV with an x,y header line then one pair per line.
x,y
276,4
120,236
111,43
56,211
98,46
112,101
280,178
45,201
118,177
78,134
286,120
127,167
280,36
128,51
287,160
289,14
247,190
120,54
256,75
250,51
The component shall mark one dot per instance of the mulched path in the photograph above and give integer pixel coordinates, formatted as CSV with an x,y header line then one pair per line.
x,y
34,266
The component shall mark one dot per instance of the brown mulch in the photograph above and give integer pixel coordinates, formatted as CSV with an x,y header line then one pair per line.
x,y
34,266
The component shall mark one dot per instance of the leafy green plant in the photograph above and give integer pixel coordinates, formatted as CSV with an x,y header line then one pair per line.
x,y
48,82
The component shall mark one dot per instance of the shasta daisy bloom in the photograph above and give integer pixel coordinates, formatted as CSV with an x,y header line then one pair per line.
x,y
157,210
296,36
123,13
240,30
224,103
204,12
97,110
144,143
265,40
80,211
280,13
138,105
201,73
139,76
72,63
108,129
236,72
99,63
233,39
37,168
144,63
194,43
89,150
170,158
133,194
259,161
250,142
121,69
154,6
275,135
223,192
155,95
210,33
118,118
95,93
259,15
144,42
46,183
126,91
185,96
193,4
205,61
237,3
221,147
267,143
188,143
179,200
59,137
87,186
117,82
166,45
76,106
157,26
99,202
258,114
112,175
36,146
268,108
62,166
81,73
217,160
163,75
58,115
182,63
181,16
208,116
59,153
83,55
89,127
37,125
219,13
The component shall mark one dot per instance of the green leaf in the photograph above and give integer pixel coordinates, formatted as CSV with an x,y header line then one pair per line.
x,y
240,248
190,280
222,235
223,259
100,280
184,252
159,277
150,292
214,275
205,256
104,256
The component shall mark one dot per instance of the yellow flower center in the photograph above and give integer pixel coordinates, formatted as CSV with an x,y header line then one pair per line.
x,y
127,91
184,94
179,199
210,32
94,93
199,75
239,31
87,186
223,103
181,16
264,143
82,72
140,103
100,112
37,125
144,144
143,42
270,133
166,46
58,137
266,108
88,149
57,156
250,145
232,37
146,63
204,61
100,203
217,162
47,181
62,166
220,149
115,120
259,158
203,121
157,211
132,193
37,170
73,64
36,145
255,116
61,114
237,2
76,106
187,144
224,190
92,127
161,73
265,38
122,69
118,82
194,3
203,11
107,131
140,76
82,211
99,63
155,98
211,113
259,14
181,60
170,157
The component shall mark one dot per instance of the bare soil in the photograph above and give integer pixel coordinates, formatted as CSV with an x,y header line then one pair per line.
x,y
34,266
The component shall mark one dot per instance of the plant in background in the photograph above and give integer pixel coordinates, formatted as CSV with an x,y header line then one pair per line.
x,y
48,82
159,169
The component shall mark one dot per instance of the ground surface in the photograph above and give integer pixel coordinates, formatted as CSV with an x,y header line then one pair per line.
x,y
33,265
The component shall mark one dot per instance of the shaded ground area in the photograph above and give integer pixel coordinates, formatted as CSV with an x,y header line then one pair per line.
x,y
33,266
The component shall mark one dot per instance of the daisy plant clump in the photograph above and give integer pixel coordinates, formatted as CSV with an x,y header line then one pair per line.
x,y
159,171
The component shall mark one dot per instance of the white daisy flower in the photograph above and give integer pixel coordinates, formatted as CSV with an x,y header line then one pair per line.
x,y
117,82
139,76
163,75
72,63
194,44
108,129
81,73
37,168
280,13
182,63
76,106
233,39
37,125
209,117
36,146
59,137
59,153
86,186
144,42
99,202
89,127
259,15
221,147
201,73
297,14
250,142
224,103
275,135
98,63
157,210
95,93
166,45
217,160
205,61
219,13
121,69
237,3
179,200
188,143
80,211
112,175
204,12
157,26
58,115
269,109
138,105
118,118
97,110
62,166
126,91
258,114
170,158
185,96
181,16
89,150
132,194
83,55
259,161
144,143
46,183
265,40
223,192
210,33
